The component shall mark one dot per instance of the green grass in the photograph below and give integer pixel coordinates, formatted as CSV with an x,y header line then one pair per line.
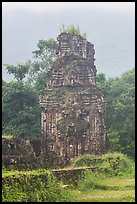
x,y
7,136
120,182
105,196
98,187
117,190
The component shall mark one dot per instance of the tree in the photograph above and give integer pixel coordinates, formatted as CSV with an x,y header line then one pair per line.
x,y
101,82
19,71
44,57
120,113
119,94
20,110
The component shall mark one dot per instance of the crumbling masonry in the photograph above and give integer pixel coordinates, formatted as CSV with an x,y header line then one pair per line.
x,y
72,108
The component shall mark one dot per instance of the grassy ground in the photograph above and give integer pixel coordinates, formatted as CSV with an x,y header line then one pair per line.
x,y
117,190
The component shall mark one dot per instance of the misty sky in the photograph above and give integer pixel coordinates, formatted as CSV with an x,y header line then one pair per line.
x,y
110,26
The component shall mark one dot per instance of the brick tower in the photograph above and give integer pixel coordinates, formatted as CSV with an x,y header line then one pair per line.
x,y
72,108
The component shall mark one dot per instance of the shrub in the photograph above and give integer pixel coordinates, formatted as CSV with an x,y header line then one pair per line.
x,y
86,160
33,186
116,164
112,164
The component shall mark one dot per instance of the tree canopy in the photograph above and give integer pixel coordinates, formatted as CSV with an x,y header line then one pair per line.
x,y
44,57
120,111
20,110
19,71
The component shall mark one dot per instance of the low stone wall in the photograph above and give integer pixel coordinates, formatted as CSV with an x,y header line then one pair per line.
x,y
70,175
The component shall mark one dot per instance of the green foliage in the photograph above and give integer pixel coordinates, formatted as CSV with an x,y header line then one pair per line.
x,y
119,95
46,48
19,71
40,82
86,160
3,167
84,35
70,29
120,113
44,57
20,110
111,164
116,164
101,82
73,30
33,186
90,180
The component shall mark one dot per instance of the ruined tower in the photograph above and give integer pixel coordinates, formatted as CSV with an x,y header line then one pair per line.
x,y
72,108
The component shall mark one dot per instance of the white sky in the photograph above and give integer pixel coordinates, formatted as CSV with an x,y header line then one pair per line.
x,y
110,26
39,7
